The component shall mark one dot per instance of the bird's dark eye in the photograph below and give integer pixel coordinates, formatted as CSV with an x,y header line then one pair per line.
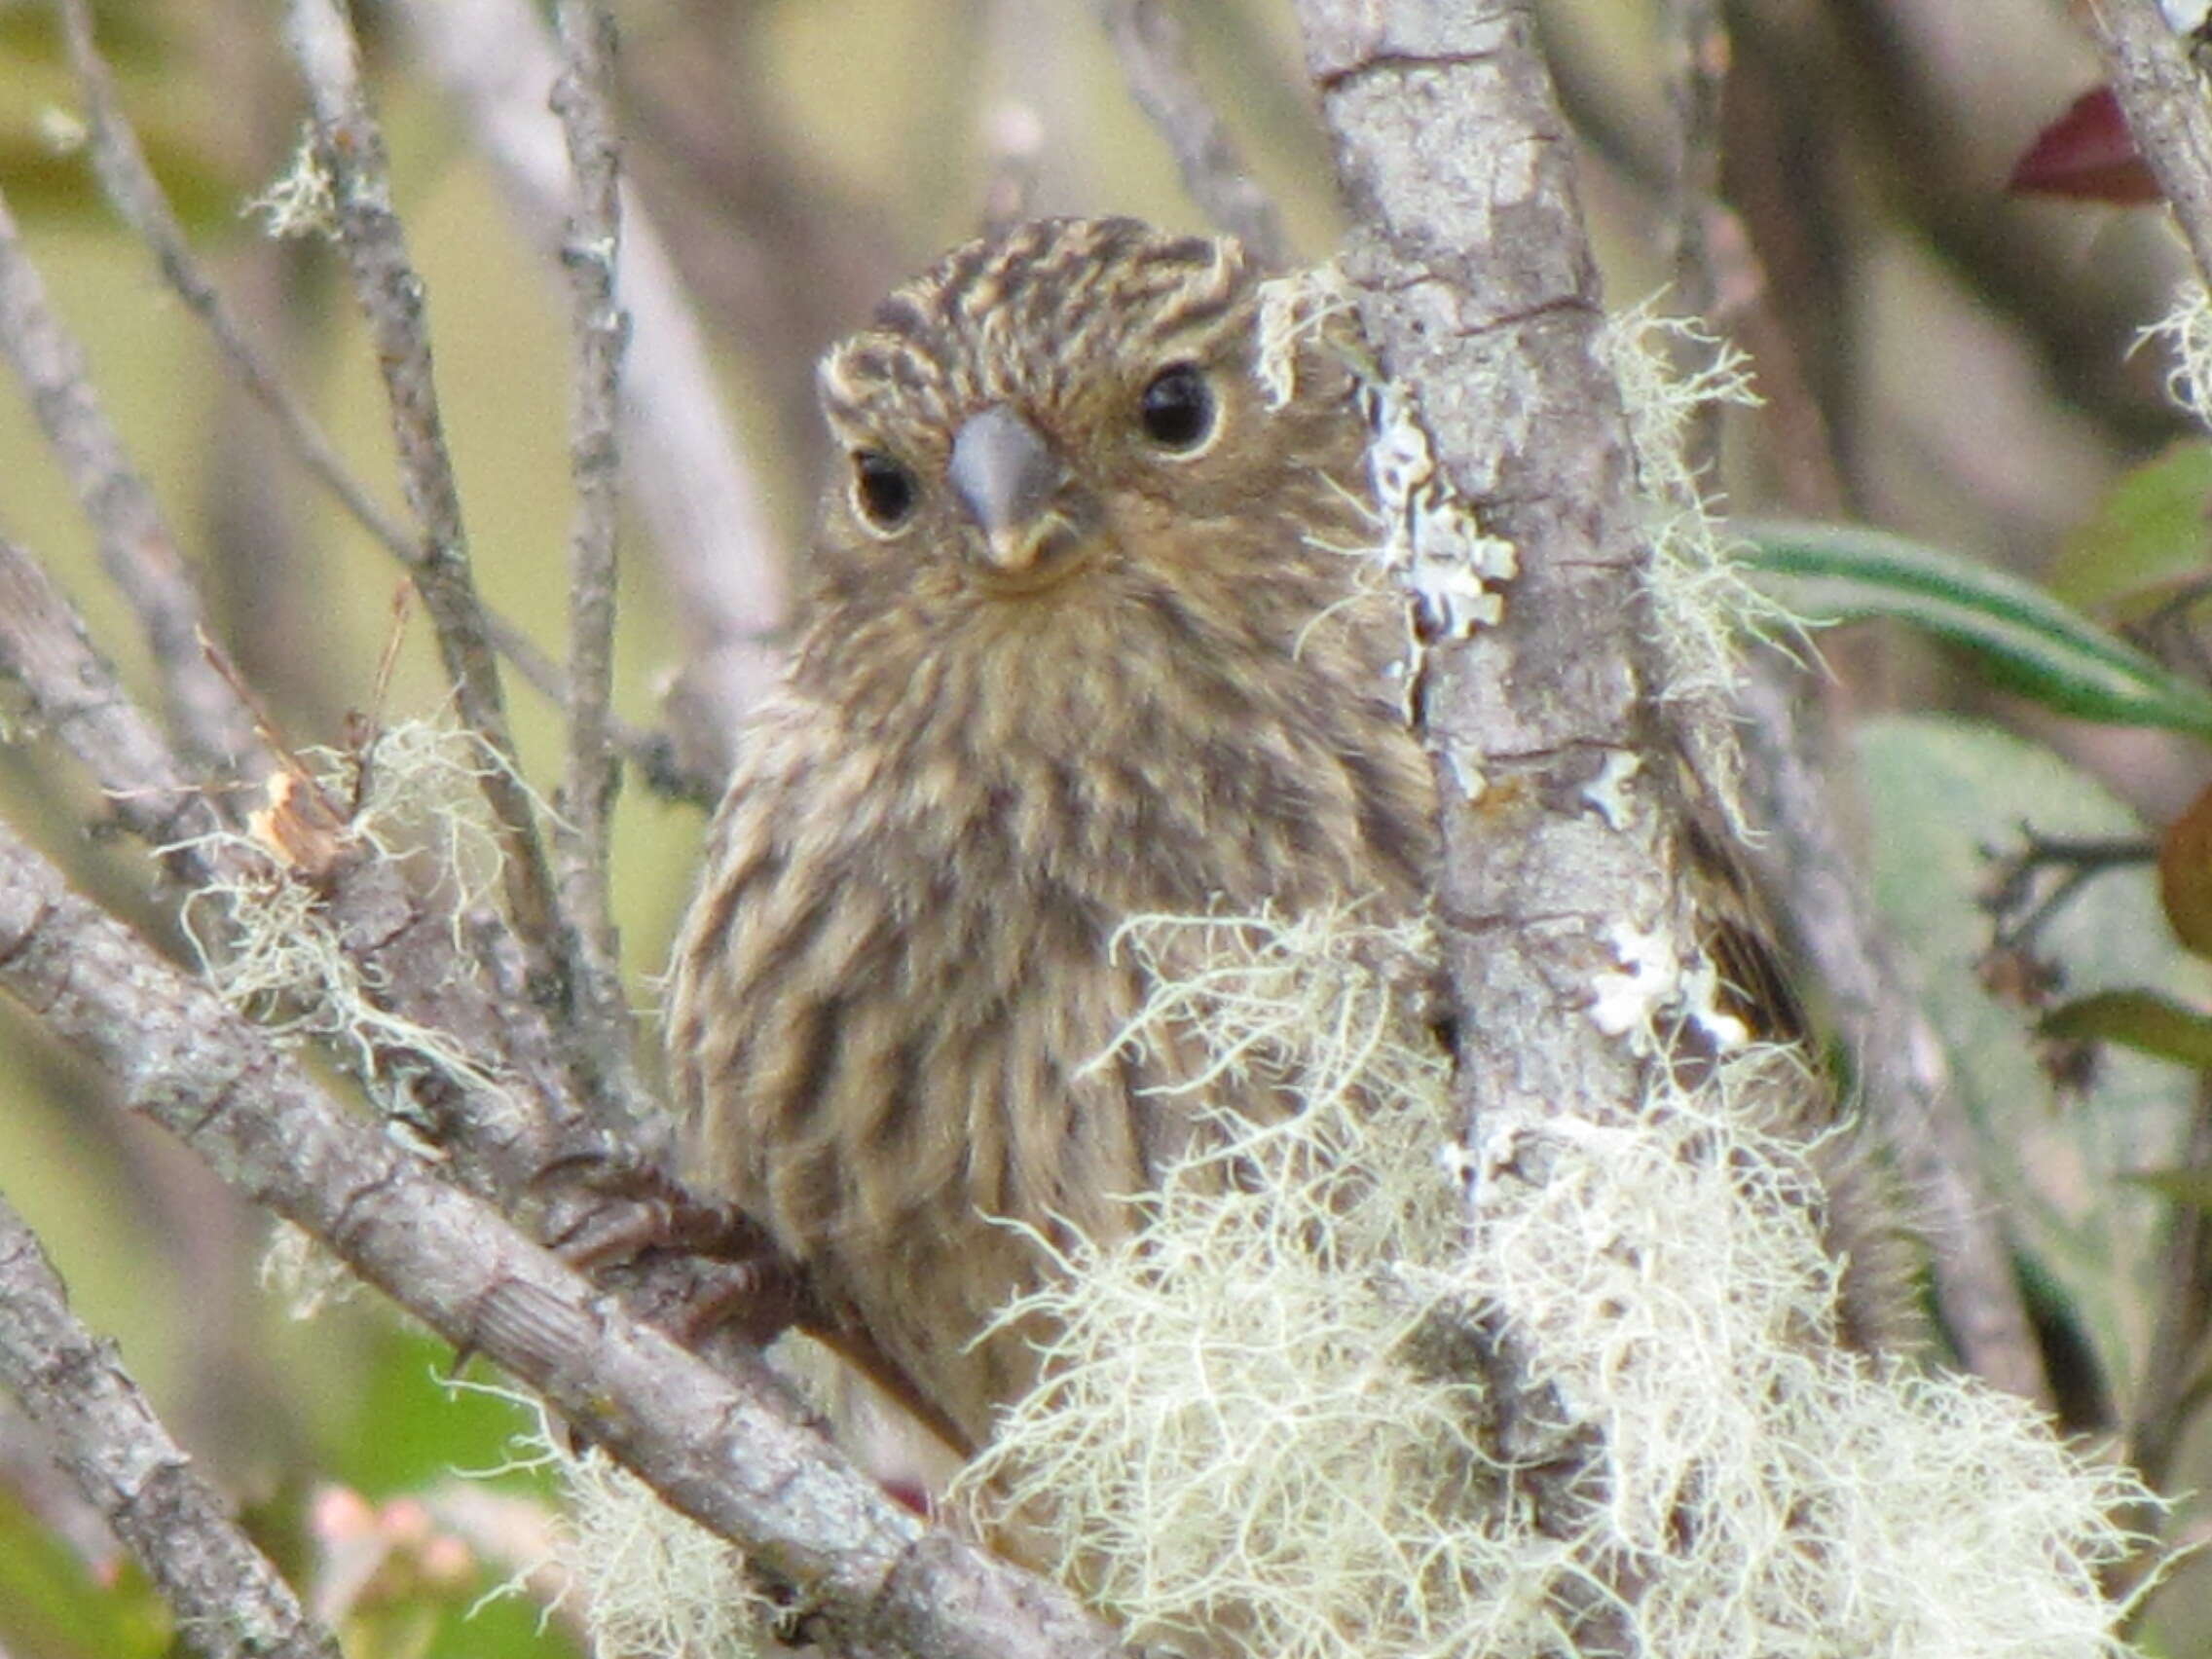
x,y
884,489
1177,408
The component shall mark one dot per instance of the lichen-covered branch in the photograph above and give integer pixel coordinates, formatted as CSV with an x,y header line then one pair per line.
x,y
230,1603
726,1453
1474,281
399,943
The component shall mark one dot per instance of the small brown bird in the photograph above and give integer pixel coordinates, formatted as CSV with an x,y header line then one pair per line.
x,y
1087,639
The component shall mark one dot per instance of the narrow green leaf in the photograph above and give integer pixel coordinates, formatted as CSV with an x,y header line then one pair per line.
x,y
2146,1021
1839,573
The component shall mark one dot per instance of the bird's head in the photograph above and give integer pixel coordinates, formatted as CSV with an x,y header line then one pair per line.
x,y
1073,407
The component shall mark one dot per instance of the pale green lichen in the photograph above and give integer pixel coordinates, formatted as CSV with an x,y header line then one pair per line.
x,y
1702,605
646,1583
1272,1425
2186,332
268,941
655,1585
300,202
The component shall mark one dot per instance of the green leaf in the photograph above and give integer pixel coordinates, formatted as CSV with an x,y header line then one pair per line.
x,y
2149,535
1839,573
52,1606
2144,1021
1942,794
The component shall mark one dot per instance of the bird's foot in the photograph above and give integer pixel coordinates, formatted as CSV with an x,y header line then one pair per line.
x,y
694,1266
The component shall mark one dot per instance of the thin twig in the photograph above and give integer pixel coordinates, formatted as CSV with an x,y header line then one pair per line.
x,y
2174,1368
1697,65
727,1454
350,148
138,200
2019,900
591,257
139,554
1697,53
1148,38
2170,1393
230,1602
689,475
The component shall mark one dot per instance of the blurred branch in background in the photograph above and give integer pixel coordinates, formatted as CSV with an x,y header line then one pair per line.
x,y
227,1596
140,555
1817,887
1148,38
1895,1055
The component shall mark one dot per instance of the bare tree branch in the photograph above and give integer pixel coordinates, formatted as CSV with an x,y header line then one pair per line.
x,y
722,1452
591,951
140,555
689,475
2168,112
228,1599
138,198
350,148
74,693
1148,38
1475,285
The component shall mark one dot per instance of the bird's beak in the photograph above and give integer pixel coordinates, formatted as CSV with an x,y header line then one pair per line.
x,y
1005,475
